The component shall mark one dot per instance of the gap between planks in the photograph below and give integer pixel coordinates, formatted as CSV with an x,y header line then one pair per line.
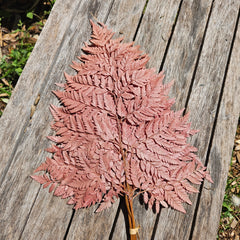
x,y
215,123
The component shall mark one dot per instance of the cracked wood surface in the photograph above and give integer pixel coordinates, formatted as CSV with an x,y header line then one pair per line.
x,y
196,42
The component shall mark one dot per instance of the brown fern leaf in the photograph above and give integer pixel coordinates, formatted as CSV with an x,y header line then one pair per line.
x,y
116,127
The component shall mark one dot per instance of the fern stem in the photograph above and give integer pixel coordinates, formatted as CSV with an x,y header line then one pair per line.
x,y
129,191
129,205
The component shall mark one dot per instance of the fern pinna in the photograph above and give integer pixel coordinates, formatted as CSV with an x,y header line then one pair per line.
x,y
117,135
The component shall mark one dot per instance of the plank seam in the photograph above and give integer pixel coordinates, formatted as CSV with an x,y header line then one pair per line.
x,y
69,225
140,20
73,213
155,225
170,37
198,59
215,123
114,223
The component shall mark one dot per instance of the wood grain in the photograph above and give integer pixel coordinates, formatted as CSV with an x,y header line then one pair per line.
x,y
123,19
21,193
159,17
185,47
209,209
155,29
203,103
183,37
17,113
172,32
87,224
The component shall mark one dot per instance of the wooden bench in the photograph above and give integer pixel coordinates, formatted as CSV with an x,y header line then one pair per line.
x,y
197,43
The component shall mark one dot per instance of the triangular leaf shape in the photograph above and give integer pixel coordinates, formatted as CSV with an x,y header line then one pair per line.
x,y
116,127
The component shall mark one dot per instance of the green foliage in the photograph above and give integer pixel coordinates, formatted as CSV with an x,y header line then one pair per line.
x,y
30,15
45,14
12,65
11,68
5,93
229,210
227,207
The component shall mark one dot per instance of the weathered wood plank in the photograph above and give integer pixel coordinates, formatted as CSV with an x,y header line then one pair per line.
x,y
156,27
26,211
89,225
32,80
123,19
18,197
44,217
185,47
221,149
158,20
187,33
203,103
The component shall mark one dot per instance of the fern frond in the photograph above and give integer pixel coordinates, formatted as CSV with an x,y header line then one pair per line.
x,y
115,127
